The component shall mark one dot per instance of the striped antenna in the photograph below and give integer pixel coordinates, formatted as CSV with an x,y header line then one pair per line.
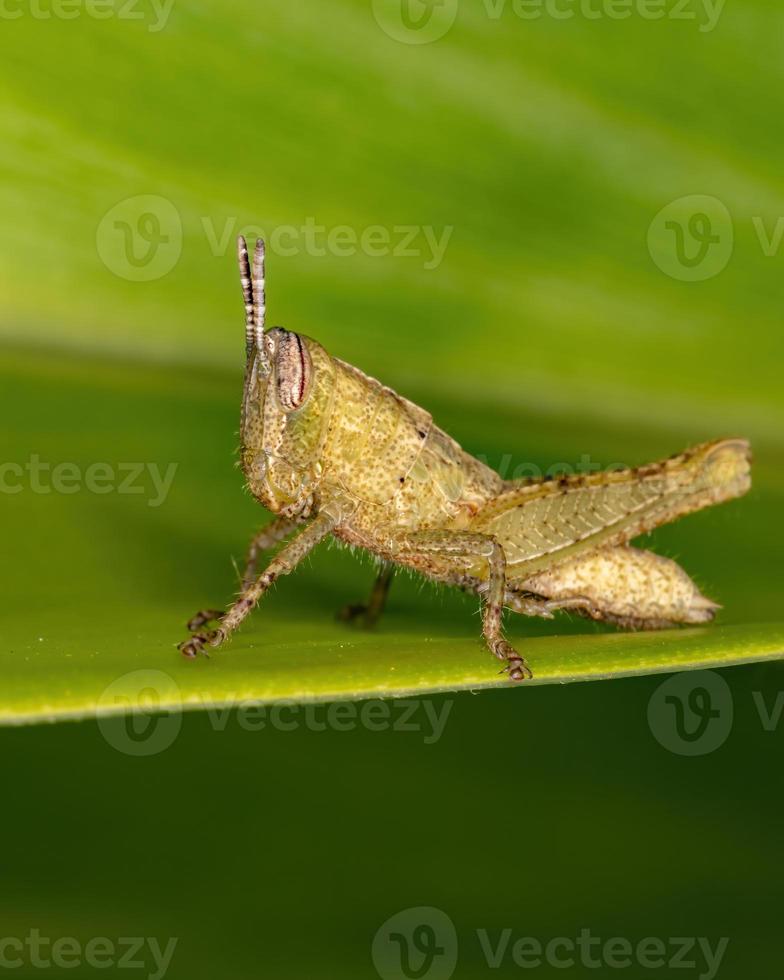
x,y
260,311
247,292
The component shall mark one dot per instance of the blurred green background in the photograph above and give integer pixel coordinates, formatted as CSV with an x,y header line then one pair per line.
x,y
563,318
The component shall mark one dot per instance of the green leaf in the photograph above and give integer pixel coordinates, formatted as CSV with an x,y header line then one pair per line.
x,y
95,673
103,581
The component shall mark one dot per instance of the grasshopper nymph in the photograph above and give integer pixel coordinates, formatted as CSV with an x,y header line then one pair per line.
x,y
330,450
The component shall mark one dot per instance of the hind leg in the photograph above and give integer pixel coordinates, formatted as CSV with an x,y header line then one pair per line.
x,y
533,605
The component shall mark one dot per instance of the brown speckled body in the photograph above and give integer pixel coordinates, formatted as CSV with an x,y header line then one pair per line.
x,y
332,450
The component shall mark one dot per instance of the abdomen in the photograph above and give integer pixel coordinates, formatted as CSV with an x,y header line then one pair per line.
x,y
625,586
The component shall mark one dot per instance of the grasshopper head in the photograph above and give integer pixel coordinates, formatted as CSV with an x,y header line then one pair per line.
x,y
287,401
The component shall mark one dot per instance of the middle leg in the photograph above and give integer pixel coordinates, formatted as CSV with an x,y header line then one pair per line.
x,y
464,549
370,612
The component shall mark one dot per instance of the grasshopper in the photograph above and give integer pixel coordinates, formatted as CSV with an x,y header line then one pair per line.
x,y
331,451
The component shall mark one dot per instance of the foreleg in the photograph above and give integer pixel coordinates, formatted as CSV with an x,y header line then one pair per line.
x,y
284,562
265,539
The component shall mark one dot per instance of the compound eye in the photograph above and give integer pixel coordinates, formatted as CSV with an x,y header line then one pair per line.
x,y
293,370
